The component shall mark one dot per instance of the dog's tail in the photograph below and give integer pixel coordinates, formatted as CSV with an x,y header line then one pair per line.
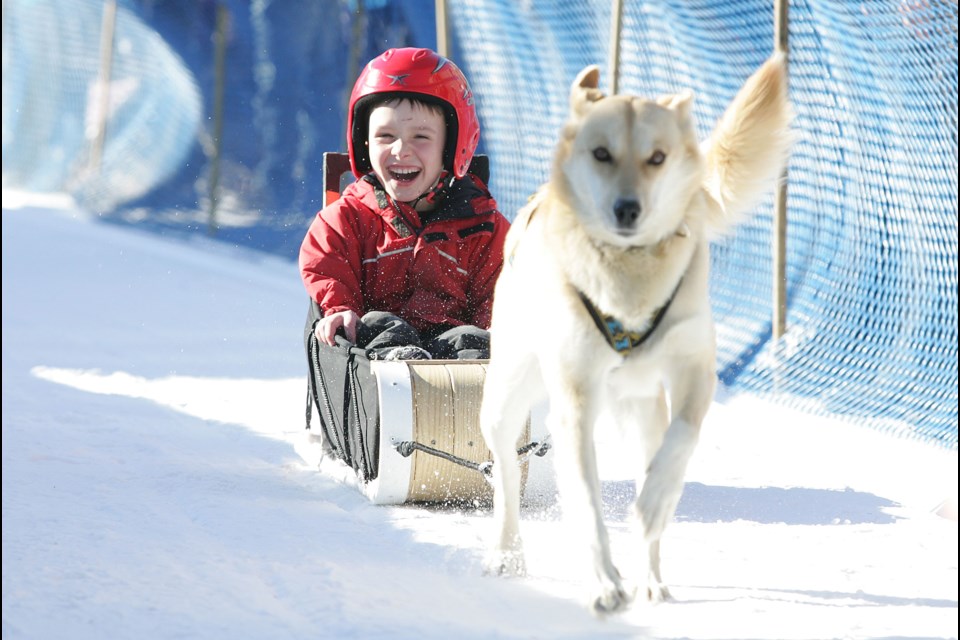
x,y
748,149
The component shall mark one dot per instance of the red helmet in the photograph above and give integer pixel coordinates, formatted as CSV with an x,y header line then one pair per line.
x,y
425,75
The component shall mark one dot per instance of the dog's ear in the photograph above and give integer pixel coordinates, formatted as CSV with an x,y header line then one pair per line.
x,y
584,90
681,102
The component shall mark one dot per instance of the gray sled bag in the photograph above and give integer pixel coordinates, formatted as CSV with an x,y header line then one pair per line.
x,y
344,391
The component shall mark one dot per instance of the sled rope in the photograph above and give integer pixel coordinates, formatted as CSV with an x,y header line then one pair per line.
x,y
355,392
524,453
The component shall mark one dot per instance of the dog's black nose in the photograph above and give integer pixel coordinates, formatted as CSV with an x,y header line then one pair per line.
x,y
627,211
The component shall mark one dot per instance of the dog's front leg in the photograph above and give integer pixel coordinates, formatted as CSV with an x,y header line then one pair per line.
x,y
691,394
571,423
503,414
650,416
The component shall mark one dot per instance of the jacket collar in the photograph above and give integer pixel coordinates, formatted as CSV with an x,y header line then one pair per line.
x,y
456,199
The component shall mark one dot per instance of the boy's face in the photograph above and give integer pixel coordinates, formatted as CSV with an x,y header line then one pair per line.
x,y
406,142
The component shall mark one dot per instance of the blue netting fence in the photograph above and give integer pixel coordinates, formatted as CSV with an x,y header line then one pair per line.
x,y
52,104
872,193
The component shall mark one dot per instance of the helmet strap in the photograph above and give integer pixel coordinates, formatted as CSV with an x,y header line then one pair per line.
x,y
430,195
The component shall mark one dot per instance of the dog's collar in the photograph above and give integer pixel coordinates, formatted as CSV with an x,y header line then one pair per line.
x,y
620,339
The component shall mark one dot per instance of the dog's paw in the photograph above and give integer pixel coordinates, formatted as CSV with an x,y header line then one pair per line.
x,y
505,563
657,593
614,593
613,598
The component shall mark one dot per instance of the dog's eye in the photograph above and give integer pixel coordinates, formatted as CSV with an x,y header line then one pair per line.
x,y
602,154
657,158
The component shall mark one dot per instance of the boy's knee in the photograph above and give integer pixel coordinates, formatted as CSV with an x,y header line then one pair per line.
x,y
466,342
382,329
380,319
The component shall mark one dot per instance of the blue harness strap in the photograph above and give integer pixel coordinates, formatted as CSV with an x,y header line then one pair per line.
x,y
620,339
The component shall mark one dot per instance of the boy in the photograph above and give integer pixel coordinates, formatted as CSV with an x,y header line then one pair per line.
x,y
405,262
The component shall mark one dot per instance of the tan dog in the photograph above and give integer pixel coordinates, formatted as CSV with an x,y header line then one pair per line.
x,y
603,303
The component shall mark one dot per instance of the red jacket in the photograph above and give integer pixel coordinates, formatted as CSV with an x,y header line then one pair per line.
x,y
435,270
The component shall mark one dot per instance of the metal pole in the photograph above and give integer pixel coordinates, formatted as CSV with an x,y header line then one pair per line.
x,y
220,57
107,35
780,17
357,42
616,23
443,29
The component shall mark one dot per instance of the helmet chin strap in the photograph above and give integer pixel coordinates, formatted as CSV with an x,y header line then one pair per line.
x,y
430,195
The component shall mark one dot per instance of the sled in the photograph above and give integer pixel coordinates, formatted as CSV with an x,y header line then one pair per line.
x,y
410,429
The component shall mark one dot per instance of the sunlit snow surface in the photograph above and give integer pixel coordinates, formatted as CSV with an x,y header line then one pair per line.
x,y
156,484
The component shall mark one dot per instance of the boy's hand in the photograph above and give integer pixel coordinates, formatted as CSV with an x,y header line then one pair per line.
x,y
328,326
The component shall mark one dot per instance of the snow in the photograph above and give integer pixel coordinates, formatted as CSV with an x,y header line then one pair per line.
x,y
156,484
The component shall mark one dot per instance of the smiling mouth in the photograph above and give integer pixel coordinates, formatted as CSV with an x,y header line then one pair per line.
x,y
404,175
